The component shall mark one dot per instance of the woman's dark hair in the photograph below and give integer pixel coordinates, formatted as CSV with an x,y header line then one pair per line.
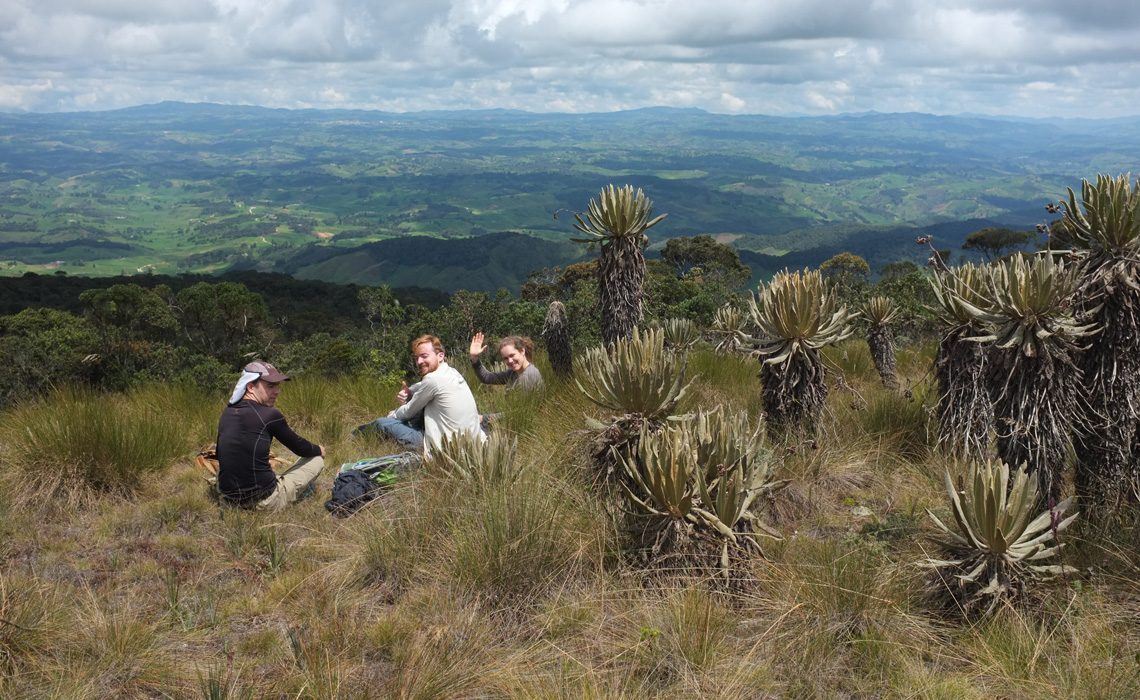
x,y
526,345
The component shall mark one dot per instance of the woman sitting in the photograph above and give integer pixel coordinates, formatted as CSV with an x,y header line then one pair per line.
x,y
516,352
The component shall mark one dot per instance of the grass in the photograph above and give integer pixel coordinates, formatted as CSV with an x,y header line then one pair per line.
x,y
906,422
521,537
79,441
439,589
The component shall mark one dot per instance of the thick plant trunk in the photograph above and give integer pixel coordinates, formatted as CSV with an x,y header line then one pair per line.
x,y
556,336
1036,400
965,412
881,341
1105,444
794,392
621,272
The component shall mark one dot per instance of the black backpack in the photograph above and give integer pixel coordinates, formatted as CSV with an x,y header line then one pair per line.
x,y
350,491
359,482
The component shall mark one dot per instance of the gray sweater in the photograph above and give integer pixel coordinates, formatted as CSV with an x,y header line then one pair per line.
x,y
529,378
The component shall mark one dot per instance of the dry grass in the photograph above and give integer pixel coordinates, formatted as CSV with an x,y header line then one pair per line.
x,y
438,590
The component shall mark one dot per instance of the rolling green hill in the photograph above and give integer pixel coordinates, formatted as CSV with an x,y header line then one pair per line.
x,y
485,263
174,188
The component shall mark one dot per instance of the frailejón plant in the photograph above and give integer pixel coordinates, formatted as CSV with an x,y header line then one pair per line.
x,y
617,221
693,486
795,315
556,337
729,330
1104,230
879,312
681,334
965,412
635,376
999,539
639,381
1033,382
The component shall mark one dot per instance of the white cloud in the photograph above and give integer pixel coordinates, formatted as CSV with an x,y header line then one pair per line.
x,y
780,56
23,97
732,103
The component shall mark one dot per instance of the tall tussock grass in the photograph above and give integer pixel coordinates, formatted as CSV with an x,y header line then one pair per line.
x,y
844,589
315,407
31,615
440,649
697,626
905,421
852,358
499,540
122,654
520,410
724,380
514,540
76,441
1078,646
838,616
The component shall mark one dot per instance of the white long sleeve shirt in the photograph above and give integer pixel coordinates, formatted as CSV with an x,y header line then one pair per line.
x,y
447,404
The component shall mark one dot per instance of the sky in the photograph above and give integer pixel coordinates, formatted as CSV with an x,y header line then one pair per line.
x,y
1031,58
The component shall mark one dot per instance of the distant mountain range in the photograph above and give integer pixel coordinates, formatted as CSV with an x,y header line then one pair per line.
x,y
477,199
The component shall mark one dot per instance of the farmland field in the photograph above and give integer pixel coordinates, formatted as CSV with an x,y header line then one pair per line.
x,y
175,188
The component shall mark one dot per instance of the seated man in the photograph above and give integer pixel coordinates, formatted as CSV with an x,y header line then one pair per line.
x,y
248,425
439,404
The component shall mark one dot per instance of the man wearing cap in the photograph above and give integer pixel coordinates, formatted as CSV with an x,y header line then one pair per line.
x,y
441,402
247,427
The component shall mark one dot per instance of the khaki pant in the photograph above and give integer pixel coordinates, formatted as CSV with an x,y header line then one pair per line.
x,y
292,483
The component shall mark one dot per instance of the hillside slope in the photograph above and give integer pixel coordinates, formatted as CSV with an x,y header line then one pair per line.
x,y
487,263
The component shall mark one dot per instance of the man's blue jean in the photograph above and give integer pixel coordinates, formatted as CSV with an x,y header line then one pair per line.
x,y
409,433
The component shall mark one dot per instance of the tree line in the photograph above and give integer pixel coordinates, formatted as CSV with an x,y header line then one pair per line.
x,y
114,333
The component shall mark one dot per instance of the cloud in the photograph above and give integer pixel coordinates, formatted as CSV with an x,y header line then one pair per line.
x,y
780,57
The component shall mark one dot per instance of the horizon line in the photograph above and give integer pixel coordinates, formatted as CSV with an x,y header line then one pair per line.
x,y
664,108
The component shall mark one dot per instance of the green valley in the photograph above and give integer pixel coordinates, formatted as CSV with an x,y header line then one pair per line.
x,y
175,187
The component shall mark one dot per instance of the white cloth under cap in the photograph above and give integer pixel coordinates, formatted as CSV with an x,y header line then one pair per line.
x,y
242,383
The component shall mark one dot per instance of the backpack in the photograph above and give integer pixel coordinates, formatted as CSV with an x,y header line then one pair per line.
x,y
350,491
359,482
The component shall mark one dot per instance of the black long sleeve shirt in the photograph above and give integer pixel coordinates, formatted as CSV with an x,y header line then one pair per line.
x,y
245,432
